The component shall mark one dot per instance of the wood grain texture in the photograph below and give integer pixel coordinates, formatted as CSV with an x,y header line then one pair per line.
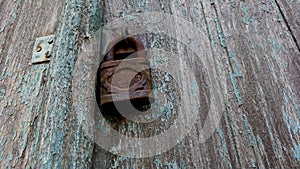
x,y
252,45
34,125
290,12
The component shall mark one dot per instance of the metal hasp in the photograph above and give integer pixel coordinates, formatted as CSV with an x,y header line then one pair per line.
x,y
42,49
118,63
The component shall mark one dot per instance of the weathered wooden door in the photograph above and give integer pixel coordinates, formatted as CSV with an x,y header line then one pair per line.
x,y
241,57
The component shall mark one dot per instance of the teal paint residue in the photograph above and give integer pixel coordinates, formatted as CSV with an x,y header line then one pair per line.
x,y
260,142
95,14
238,68
184,12
2,92
170,165
278,17
253,163
23,138
213,44
195,87
286,65
182,164
15,12
265,8
220,32
273,3
2,144
231,6
292,124
246,15
60,98
144,2
10,157
158,162
275,45
104,126
228,104
3,27
195,9
252,140
122,14
223,148
253,23
138,6
212,40
175,166
295,105
296,151
235,88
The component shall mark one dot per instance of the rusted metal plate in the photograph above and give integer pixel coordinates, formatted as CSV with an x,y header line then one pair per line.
x,y
127,63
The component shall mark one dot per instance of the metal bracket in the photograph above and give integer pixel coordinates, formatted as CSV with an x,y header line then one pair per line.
x,y
42,49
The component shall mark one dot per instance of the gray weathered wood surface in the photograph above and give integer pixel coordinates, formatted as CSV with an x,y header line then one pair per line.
x,y
255,50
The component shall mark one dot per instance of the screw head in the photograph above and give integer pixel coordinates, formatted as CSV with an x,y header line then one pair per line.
x,y
47,55
39,48
50,40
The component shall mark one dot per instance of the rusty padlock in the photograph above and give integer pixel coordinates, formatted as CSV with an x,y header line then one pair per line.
x,y
139,89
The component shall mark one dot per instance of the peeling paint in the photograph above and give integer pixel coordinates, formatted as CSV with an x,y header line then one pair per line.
x,y
253,23
275,45
238,67
252,140
296,151
2,144
220,32
2,92
235,87
223,147
246,15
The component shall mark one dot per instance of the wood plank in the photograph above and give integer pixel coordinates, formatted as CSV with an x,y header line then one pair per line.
x,y
251,51
290,12
263,58
22,84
